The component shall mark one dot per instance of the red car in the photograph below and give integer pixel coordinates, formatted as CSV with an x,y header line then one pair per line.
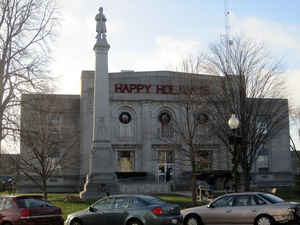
x,y
28,210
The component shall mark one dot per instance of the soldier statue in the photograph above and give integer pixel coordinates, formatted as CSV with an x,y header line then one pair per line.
x,y
100,26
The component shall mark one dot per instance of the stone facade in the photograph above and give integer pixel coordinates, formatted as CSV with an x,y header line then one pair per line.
x,y
8,164
137,147
51,116
144,95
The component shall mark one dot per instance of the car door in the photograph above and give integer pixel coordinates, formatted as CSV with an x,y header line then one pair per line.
x,y
246,208
243,210
218,211
119,211
98,212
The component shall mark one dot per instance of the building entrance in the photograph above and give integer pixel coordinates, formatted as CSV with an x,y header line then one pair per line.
x,y
165,169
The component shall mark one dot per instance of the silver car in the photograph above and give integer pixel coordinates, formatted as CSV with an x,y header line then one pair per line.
x,y
256,208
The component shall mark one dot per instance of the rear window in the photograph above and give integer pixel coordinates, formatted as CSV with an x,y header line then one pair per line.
x,y
33,203
152,200
271,198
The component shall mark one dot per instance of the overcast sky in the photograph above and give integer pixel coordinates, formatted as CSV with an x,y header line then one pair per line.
x,y
158,34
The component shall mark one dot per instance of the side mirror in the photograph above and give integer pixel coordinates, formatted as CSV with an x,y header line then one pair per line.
x,y
92,209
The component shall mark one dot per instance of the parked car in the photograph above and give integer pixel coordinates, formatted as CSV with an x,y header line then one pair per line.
x,y
256,208
127,210
28,210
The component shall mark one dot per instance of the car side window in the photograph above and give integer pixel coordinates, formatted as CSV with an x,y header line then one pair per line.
x,y
137,203
241,200
259,201
122,203
226,201
106,203
252,200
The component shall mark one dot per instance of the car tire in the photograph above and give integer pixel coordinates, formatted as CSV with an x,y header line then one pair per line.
x,y
264,220
134,222
76,222
192,220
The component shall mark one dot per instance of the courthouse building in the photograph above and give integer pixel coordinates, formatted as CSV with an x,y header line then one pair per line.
x,y
123,148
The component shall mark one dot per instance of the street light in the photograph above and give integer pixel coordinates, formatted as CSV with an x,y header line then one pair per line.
x,y
234,140
233,122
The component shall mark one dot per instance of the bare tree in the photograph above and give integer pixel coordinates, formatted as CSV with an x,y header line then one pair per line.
x,y
48,144
190,118
252,89
26,27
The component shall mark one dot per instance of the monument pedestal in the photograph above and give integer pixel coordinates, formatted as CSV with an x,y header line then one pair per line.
x,y
102,179
98,185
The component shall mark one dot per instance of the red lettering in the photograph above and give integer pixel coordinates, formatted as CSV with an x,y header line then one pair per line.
x,y
132,87
160,89
118,88
139,88
170,90
126,88
147,88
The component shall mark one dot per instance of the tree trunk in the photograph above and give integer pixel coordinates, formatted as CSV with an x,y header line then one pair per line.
x,y
45,192
194,186
246,178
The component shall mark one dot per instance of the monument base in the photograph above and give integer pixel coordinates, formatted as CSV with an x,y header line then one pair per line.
x,y
98,185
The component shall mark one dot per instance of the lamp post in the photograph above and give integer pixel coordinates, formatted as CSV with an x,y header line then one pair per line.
x,y
234,140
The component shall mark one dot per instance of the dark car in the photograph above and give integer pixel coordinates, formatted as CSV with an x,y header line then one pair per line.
x,y
256,208
28,210
127,210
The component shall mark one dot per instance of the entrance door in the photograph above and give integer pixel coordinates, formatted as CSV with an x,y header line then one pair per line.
x,y
165,166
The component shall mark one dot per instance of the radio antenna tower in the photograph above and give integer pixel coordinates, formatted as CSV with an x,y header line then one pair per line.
x,y
228,40
227,22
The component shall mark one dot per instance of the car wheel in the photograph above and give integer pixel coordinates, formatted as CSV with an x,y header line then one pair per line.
x,y
76,222
192,220
264,220
134,222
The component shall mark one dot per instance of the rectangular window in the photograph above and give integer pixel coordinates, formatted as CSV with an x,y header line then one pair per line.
x,y
263,159
126,161
203,160
126,130
263,170
167,131
262,124
165,157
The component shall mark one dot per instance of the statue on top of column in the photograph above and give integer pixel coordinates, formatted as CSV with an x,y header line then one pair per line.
x,y
100,26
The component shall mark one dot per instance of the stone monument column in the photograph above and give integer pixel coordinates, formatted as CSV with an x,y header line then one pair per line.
x,y
101,178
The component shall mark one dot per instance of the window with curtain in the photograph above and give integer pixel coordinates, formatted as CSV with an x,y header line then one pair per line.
x,y
126,161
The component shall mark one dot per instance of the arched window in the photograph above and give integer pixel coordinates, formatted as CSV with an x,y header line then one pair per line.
x,y
126,124
166,129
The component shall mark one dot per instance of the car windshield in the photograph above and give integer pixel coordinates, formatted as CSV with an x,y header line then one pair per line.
x,y
271,198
